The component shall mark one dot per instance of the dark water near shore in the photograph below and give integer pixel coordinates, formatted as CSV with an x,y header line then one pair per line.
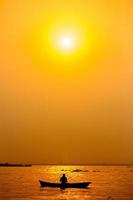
x,y
108,182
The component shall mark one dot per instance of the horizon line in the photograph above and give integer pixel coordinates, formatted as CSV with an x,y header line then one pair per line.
x,y
71,164
91,164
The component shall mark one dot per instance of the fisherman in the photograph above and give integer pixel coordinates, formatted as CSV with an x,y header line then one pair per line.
x,y
63,179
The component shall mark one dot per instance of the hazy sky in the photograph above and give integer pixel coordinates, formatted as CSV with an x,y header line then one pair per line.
x,y
74,107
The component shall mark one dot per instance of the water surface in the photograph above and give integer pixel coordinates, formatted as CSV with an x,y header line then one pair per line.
x,y
108,183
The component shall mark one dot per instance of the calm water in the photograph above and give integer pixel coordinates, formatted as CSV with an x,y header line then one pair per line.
x,y
108,182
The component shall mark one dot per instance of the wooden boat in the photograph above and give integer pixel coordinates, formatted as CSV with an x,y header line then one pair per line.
x,y
66,185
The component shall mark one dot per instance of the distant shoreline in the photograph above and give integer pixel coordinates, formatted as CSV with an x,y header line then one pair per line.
x,y
14,165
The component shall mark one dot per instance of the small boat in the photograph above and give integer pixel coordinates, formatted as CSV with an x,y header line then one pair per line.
x,y
66,185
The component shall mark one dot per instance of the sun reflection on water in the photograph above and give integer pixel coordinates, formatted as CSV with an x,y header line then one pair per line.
x,y
21,182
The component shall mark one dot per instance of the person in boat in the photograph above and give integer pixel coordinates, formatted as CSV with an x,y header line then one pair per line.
x,y
63,179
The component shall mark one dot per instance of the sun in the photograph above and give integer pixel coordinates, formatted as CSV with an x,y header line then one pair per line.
x,y
67,42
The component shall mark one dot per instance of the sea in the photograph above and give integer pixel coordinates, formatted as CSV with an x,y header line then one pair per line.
x,y
108,182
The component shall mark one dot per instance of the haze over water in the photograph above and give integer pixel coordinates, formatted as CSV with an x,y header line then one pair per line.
x,y
108,183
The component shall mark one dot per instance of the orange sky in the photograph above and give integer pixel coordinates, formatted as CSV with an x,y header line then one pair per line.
x,y
66,108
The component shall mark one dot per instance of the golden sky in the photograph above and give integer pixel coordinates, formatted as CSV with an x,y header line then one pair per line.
x,y
66,86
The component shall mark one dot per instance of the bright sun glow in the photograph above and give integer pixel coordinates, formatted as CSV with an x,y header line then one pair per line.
x,y
67,42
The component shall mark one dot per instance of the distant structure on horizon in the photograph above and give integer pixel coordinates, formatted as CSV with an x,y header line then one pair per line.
x,y
14,165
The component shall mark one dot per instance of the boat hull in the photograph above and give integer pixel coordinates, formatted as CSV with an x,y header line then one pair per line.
x,y
66,185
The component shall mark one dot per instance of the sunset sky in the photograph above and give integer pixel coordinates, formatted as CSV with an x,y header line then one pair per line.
x,y
66,81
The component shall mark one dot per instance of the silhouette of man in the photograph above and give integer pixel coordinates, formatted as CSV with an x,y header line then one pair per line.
x,y
63,179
